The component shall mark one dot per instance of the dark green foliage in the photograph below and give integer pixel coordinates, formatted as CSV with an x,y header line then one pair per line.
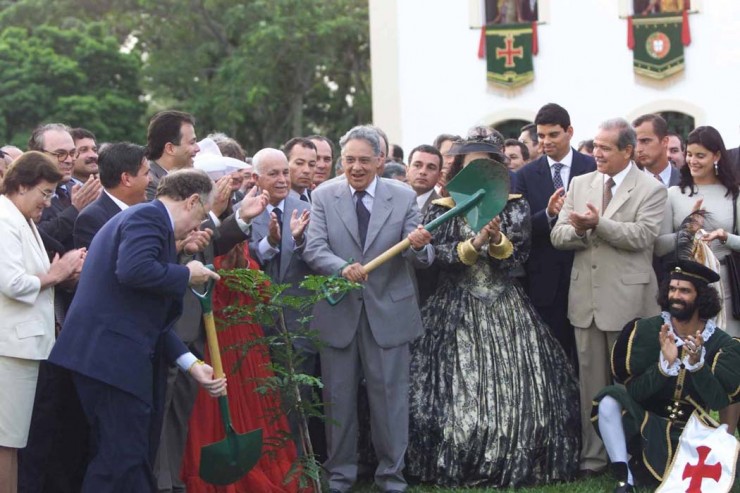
x,y
266,309
260,70
77,76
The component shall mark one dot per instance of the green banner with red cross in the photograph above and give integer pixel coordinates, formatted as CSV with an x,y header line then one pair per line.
x,y
509,54
658,45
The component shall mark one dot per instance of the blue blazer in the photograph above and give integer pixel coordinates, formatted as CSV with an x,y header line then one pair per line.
x,y
546,264
119,327
92,218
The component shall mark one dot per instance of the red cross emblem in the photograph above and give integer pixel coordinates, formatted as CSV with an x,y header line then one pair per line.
x,y
701,470
509,52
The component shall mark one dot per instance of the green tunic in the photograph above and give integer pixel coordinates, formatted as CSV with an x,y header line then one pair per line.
x,y
655,405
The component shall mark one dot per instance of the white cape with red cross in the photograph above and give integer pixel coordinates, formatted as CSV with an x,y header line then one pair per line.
x,y
704,462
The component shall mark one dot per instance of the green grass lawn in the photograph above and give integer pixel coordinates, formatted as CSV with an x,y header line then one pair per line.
x,y
602,484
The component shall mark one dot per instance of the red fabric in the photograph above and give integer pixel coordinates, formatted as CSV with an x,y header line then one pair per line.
x,y
535,44
685,29
482,43
249,410
630,34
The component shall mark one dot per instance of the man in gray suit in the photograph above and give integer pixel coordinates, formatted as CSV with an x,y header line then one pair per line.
x,y
171,145
651,151
277,244
368,332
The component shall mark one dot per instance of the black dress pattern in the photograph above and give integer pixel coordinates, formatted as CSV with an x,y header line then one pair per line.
x,y
493,399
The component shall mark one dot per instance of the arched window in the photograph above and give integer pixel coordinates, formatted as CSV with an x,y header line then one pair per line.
x,y
680,123
510,129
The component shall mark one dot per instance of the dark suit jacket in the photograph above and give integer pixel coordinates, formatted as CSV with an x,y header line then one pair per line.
x,y
58,221
92,218
190,325
156,172
119,327
427,279
675,176
546,265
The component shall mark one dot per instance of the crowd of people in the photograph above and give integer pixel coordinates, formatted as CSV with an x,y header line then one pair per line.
x,y
591,315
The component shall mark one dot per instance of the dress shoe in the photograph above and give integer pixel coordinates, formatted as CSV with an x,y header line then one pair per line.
x,y
333,490
621,474
394,491
590,473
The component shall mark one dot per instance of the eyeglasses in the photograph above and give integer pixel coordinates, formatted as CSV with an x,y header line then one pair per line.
x,y
205,213
62,155
46,194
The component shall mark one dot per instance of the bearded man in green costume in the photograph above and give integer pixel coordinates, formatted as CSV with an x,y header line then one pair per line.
x,y
669,365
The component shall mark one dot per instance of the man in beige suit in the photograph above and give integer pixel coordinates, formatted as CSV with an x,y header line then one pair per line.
x,y
612,281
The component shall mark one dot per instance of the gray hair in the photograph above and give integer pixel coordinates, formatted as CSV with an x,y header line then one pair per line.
x,y
362,132
627,136
264,156
36,141
181,184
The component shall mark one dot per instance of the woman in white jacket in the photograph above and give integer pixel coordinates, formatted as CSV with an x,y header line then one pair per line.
x,y
27,280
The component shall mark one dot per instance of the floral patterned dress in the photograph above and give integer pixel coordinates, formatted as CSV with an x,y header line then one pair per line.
x,y
493,398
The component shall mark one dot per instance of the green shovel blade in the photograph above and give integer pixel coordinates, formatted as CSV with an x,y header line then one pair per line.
x,y
488,176
227,461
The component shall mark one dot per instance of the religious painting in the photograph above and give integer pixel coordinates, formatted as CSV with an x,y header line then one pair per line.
x,y
650,7
511,11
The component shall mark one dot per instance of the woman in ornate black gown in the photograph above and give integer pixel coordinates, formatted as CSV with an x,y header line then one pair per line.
x,y
493,399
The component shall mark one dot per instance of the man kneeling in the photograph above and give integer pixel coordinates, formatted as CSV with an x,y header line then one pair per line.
x,y
665,363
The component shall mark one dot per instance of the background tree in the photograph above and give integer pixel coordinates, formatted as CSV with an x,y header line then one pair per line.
x,y
262,71
76,75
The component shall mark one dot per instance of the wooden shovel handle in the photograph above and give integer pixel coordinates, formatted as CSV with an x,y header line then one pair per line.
x,y
387,255
213,349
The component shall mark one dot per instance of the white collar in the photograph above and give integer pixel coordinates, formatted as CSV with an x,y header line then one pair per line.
x,y
422,199
370,188
566,161
117,201
665,175
280,206
619,177
709,327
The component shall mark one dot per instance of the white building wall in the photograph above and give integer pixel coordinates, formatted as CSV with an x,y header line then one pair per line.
x,y
435,83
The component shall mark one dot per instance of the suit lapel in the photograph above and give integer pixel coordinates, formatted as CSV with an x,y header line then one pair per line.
x,y
38,247
286,240
382,207
346,212
623,192
543,169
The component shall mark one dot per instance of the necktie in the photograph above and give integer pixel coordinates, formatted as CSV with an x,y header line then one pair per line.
x,y
557,180
279,216
607,193
63,196
657,177
363,216
304,197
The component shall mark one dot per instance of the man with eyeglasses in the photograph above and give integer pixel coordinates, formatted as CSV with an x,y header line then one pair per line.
x,y
58,220
56,451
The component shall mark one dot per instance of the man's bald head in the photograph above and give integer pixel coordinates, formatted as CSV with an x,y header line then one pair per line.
x,y
272,173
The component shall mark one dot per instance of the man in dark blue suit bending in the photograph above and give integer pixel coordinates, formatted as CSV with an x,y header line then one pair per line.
x,y
117,337
544,183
